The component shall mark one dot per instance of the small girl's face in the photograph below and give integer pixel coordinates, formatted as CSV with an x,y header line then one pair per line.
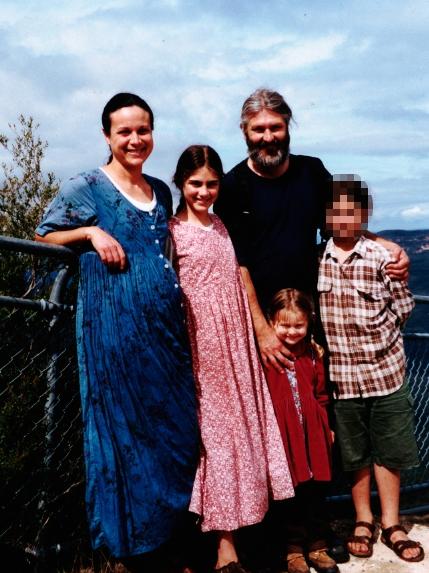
x,y
291,326
201,189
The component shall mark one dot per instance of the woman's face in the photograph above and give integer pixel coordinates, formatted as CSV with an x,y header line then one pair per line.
x,y
130,138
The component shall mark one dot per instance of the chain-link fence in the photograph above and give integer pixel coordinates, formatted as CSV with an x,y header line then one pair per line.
x,y
41,466
41,472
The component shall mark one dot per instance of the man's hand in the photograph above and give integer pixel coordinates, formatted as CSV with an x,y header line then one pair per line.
x,y
400,267
273,352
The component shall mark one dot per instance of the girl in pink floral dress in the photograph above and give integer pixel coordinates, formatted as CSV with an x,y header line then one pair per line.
x,y
242,461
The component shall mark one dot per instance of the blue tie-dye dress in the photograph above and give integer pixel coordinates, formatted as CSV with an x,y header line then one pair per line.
x,y
137,389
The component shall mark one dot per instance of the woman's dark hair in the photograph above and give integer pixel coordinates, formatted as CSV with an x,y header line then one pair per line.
x,y
193,158
119,101
293,300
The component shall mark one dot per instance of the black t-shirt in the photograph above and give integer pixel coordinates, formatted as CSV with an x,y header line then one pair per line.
x,y
273,223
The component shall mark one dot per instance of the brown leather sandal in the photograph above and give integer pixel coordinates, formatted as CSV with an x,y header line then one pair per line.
x,y
366,540
322,562
296,563
399,546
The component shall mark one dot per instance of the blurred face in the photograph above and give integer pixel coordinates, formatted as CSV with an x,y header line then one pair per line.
x,y
130,138
267,138
346,219
291,327
200,190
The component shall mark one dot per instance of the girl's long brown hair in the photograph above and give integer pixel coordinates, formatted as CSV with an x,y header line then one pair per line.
x,y
194,157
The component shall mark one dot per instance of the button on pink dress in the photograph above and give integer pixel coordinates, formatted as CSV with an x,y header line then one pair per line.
x,y
242,461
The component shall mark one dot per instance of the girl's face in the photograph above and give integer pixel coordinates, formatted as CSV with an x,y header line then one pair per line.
x,y
200,190
130,138
291,326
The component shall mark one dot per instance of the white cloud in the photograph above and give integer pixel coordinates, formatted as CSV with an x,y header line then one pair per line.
x,y
417,213
301,53
279,57
358,89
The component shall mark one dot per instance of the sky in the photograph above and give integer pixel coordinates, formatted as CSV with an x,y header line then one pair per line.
x,y
355,74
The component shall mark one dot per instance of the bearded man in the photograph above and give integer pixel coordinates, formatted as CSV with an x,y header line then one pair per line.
x,y
273,204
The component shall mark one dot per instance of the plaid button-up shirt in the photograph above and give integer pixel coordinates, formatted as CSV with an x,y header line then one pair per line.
x,y
362,310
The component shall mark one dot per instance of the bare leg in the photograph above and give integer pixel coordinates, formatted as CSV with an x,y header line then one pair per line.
x,y
388,482
226,552
361,495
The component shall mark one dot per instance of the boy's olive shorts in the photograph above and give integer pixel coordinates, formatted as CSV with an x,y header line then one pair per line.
x,y
377,430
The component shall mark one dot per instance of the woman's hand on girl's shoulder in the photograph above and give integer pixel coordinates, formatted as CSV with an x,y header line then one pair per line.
x,y
110,251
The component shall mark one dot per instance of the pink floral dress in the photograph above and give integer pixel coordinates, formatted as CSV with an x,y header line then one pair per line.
x,y
242,461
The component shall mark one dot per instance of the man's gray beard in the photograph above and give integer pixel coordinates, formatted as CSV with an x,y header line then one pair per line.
x,y
265,161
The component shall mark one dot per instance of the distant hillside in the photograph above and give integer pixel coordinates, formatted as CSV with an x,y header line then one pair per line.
x,y
416,243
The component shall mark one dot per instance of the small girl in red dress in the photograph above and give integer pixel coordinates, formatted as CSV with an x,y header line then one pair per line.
x,y
300,402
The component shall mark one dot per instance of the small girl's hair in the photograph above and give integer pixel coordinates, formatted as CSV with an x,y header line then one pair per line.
x,y
292,300
193,158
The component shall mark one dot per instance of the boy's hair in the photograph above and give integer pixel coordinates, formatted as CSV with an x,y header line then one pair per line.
x,y
353,187
293,300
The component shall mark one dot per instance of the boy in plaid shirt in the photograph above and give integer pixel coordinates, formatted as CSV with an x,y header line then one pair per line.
x,y
362,311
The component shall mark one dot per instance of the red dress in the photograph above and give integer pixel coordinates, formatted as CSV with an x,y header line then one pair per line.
x,y
308,442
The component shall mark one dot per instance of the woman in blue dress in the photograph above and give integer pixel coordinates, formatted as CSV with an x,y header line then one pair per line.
x,y
137,390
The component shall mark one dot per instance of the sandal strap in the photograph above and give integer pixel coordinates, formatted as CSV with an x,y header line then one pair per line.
x,y
369,526
366,539
317,552
360,539
293,556
402,544
387,533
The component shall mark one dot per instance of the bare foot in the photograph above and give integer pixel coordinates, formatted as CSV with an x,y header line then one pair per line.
x,y
226,552
410,552
361,547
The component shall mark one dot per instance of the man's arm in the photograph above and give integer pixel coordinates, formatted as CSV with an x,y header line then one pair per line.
x,y
272,350
402,301
398,269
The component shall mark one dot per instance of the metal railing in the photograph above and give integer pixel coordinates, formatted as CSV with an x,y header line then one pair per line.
x,y
41,464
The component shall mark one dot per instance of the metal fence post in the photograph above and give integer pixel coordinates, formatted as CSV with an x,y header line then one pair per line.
x,y
58,309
